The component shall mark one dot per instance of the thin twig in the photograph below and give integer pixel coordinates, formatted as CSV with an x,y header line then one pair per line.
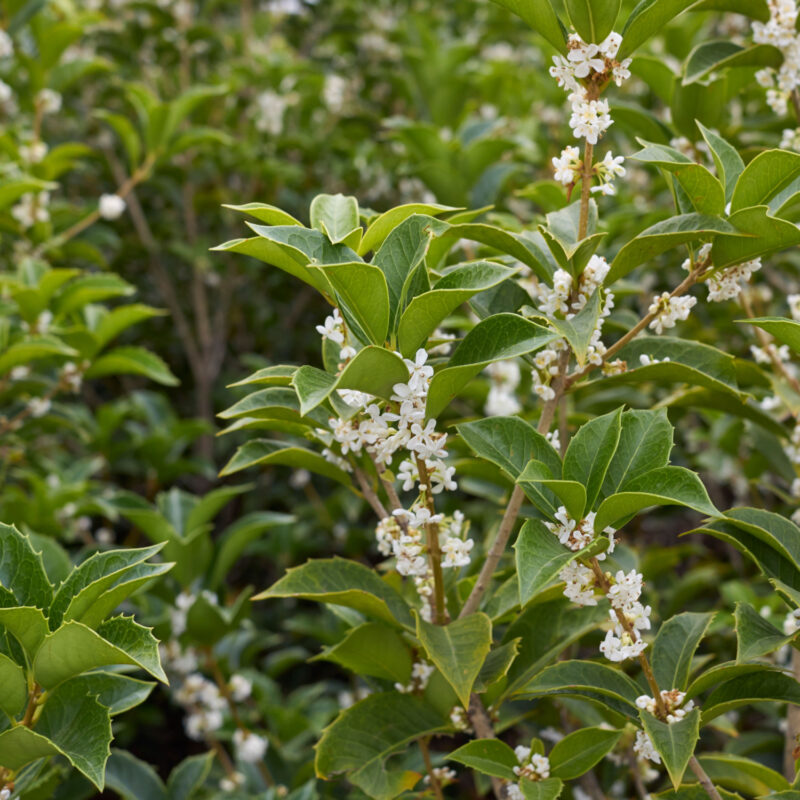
x,y
434,781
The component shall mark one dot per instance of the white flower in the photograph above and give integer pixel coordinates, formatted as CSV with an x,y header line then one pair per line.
x,y
6,50
669,309
240,688
270,109
456,552
33,153
112,206
31,208
590,118
421,673
567,165
580,584
643,747
250,747
48,101
39,406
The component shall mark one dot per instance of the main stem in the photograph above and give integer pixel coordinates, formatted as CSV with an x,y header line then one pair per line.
x,y
434,551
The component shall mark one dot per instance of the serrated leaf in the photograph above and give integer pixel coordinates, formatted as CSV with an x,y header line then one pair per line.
x,y
21,569
674,742
115,691
458,649
27,624
346,583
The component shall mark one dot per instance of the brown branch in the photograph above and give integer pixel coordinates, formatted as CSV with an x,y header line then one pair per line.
x,y
434,781
434,551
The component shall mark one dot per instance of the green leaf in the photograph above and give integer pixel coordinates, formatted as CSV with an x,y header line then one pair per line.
x,y
274,403
665,486
364,294
766,175
267,451
645,442
755,636
674,648
132,778
784,330
724,54
509,443
727,160
496,338
21,569
20,745
593,19
75,648
189,776
587,679
590,452
335,215
496,665
401,257
647,19
742,774
723,672
80,727
27,624
458,650
764,234
426,311
33,348
115,691
344,583
14,695
92,578
489,756
263,212
674,742
540,557
373,370
119,319
571,493
680,361
362,737
539,14
383,225
744,690
578,331
664,236
91,289
131,360
548,789
371,649
579,751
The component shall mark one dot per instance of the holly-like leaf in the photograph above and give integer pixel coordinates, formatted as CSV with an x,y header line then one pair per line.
x,y
458,650
674,742
345,583
28,624
22,572
115,691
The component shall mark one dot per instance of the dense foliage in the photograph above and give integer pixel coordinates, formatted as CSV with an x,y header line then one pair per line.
x,y
497,306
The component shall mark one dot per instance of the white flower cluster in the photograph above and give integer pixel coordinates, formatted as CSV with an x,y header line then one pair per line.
x,y
668,310
533,766
606,170
39,406
793,448
421,672
590,118
269,110
442,774
790,139
765,355
647,361
556,300
502,401
6,45
676,710
460,720
250,747
577,534
333,329
780,31
32,208
205,704
726,284
791,622
623,595
112,206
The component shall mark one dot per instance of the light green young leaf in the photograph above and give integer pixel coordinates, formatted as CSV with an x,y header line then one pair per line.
x,y
489,756
14,694
363,736
579,751
674,742
674,647
373,370
263,212
371,649
727,160
27,624
496,338
784,330
267,451
590,452
364,296
458,650
344,583
336,215
533,479
593,19
119,319
755,636
131,360
665,486
578,331
33,348
766,175
381,227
